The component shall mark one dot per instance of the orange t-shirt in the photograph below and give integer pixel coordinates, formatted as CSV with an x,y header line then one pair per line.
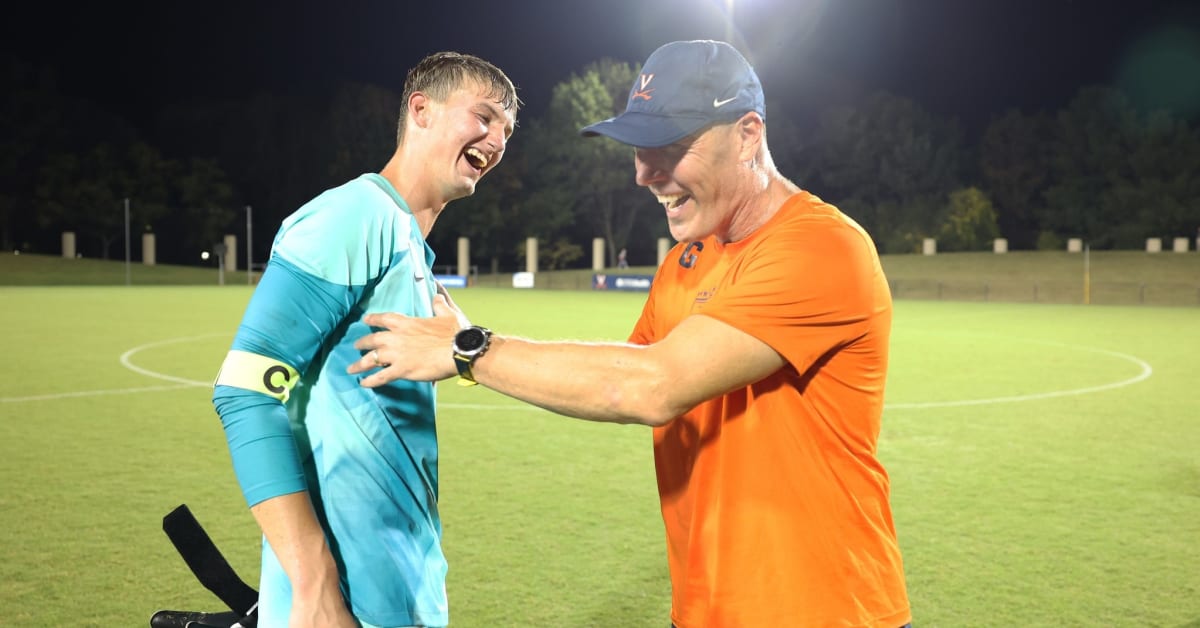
x,y
775,504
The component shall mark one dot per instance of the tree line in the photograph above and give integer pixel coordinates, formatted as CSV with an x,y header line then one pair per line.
x,y
1097,169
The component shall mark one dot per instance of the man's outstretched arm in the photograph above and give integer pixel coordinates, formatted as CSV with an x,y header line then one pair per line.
x,y
700,359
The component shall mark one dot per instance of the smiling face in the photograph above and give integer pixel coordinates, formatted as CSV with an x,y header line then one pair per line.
x,y
458,112
467,134
698,180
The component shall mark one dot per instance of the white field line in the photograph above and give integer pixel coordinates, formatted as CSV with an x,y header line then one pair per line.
x,y
126,362
1146,372
92,393
180,382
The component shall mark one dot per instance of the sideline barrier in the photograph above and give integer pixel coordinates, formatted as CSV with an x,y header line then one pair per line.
x,y
523,280
1025,291
452,281
631,283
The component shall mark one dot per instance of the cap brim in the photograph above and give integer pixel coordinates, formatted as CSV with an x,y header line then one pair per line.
x,y
646,130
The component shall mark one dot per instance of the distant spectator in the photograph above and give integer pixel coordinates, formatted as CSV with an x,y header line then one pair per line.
x,y
623,259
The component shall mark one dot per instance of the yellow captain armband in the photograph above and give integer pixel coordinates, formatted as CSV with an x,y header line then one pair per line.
x,y
259,373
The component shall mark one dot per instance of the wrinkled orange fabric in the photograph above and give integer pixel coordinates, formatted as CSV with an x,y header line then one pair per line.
x,y
775,503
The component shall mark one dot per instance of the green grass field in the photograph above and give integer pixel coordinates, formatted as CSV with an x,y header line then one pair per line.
x,y
1045,464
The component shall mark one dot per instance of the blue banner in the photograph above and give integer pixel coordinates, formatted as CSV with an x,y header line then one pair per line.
x,y
630,283
452,281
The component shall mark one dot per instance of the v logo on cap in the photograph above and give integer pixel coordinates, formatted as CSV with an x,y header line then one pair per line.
x,y
643,93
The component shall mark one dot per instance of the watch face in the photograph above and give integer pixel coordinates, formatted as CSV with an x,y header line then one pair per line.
x,y
469,339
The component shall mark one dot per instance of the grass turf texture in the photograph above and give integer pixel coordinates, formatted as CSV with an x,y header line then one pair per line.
x,y
1041,475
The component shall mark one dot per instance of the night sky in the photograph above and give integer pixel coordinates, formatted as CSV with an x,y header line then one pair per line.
x,y
969,59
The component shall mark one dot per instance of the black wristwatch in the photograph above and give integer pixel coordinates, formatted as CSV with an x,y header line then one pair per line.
x,y
469,344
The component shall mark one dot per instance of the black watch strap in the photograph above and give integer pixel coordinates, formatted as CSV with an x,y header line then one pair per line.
x,y
463,364
469,344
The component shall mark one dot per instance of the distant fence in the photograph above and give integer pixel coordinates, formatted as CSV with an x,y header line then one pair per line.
x,y
551,280
1102,292
1001,291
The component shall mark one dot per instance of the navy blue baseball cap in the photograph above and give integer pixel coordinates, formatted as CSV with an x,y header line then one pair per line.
x,y
684,86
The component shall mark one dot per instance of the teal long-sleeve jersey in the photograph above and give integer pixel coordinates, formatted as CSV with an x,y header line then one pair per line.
x,y
295,420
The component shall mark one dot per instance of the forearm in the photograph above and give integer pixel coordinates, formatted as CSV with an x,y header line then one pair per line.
x,y
615,382
268,468
618,383
291,528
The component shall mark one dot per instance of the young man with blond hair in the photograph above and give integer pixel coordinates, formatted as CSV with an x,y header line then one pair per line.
x,y
343,480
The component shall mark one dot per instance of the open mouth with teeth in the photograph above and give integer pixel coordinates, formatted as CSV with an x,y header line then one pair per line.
x,y
674,201
476,158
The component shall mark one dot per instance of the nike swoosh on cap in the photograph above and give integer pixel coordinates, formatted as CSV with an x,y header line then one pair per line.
x,y
718,103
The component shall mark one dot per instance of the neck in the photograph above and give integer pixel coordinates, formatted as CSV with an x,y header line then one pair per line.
x,y
761,206
406,174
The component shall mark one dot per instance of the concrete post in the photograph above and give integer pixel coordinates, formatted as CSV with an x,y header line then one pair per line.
x,y
531,255
230,252
1000,245
664,247
148,250
598,254
68,244
464,257
929,246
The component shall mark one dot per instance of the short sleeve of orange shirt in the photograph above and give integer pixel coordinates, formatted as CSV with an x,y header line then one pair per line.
x,y
775,505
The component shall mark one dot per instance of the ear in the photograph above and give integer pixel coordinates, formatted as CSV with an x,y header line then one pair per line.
x,y
750,129
418,109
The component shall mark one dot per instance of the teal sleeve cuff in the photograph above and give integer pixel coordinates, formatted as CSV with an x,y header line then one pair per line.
x,y
265,459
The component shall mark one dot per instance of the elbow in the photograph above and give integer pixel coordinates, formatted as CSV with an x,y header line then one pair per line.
x,y
664,412
656,403
658,418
